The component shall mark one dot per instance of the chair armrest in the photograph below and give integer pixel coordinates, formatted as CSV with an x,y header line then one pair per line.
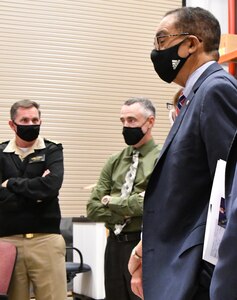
x,y
78,252
74,268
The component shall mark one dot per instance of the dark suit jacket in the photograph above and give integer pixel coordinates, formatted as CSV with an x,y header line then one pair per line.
x,y
224,281
177,196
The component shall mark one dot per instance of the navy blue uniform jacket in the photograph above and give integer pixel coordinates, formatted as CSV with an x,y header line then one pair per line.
x,y
177,197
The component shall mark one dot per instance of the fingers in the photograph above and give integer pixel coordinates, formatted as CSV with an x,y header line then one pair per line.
x,y
4,184
133,264
46,172
136,282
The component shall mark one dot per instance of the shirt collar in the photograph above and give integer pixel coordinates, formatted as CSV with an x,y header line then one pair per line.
x,y
194,77
12,147
144,149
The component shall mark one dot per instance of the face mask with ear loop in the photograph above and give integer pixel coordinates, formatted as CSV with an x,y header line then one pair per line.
x,y
27,133
167,63
133,135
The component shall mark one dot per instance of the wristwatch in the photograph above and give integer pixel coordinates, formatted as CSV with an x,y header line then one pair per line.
x,y
105,200
135,255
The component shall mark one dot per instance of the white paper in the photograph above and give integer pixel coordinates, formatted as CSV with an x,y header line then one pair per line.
x,y
216,221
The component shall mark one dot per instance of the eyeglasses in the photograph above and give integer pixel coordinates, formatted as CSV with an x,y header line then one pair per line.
x,y
169,106
160,39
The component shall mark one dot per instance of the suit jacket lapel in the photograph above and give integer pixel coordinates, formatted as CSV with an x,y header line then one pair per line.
x,y
211,69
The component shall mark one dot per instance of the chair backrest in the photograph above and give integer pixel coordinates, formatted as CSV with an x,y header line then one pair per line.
x,y
8,254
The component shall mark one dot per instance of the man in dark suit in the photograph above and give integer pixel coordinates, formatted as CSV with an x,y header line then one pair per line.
x,y
223,285
177,196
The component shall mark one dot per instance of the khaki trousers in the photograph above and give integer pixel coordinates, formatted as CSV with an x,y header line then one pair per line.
x,y
40,263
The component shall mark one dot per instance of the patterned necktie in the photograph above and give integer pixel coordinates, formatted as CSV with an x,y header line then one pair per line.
x,y
127,187
180,103
130,176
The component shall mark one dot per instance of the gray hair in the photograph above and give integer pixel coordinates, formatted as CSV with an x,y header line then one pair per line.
x,y
25,104
146,104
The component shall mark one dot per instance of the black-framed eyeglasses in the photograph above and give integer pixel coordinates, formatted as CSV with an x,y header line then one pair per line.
x,y
160,39
169,106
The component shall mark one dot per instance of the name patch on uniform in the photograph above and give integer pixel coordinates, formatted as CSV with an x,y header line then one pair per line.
x,y
36,159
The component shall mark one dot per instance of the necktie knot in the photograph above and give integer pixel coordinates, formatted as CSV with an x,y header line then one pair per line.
x,y
135,155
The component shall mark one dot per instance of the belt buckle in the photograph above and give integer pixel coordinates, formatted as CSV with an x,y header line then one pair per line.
x,y
122,237
126,237
29,235
119,238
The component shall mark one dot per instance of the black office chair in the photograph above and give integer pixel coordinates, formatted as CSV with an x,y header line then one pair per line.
x,y
8,254
74,268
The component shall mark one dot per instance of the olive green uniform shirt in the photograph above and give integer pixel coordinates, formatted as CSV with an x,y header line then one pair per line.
x,y
110,183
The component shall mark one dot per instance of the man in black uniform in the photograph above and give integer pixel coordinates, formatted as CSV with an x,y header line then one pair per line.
x,y
31,174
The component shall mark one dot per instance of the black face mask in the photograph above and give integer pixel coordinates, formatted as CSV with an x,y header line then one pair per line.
x,y
133,135
167,63
28,133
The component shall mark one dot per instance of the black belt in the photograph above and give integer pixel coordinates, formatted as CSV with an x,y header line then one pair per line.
x,y
125,237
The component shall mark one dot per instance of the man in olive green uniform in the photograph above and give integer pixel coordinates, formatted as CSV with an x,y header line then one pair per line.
x,y
118,202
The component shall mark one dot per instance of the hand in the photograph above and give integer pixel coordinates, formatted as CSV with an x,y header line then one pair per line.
x,y
134,261
105,200
135,269
46,172
142,194
136,282
4,184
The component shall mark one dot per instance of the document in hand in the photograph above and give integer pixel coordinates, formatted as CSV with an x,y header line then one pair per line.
x,y
216,218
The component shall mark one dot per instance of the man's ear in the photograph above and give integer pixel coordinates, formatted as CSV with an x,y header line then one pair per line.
x,y
189,46
194,42
12,125
151,121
